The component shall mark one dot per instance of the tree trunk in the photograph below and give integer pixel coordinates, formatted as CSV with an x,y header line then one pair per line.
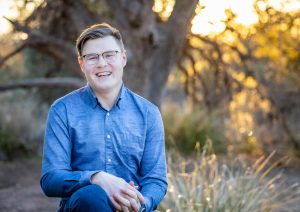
x,y
152,47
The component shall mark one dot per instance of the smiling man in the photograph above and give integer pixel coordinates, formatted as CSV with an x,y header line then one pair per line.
x,y
104,145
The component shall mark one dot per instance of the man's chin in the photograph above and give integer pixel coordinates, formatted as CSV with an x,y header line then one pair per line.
x,y
104,88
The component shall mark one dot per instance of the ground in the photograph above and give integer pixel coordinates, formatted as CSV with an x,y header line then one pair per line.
x,y
20,189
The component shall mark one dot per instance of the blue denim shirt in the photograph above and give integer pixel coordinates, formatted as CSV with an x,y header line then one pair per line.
x,y
82,138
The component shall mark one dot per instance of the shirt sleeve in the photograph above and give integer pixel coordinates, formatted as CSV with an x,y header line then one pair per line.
x,y
153,171
58,179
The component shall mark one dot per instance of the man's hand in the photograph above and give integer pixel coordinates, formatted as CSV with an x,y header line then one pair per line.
x,y
124,195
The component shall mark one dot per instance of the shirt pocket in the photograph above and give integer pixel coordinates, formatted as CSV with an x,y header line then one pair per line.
x,y
132,148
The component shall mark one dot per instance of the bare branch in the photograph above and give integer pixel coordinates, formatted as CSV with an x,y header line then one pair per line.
x,y
43,82
60,47
15,51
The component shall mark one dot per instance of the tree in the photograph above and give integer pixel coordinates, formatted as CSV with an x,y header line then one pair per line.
x,y
262,61
152,44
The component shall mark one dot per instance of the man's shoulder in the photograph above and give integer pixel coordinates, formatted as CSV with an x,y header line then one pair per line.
x,y
69,99
140,100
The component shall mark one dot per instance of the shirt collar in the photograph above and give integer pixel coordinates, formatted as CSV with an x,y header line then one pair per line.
x,y
121,96
93,100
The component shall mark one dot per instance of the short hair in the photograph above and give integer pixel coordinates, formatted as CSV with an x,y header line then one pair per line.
x,y
97,31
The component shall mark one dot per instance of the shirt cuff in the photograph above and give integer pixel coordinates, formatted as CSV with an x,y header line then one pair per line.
x,y
148,204
85,178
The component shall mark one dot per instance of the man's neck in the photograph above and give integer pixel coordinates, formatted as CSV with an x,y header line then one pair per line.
x,y
107,99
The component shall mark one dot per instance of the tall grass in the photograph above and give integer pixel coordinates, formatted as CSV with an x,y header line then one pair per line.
x,y
21,124
207,185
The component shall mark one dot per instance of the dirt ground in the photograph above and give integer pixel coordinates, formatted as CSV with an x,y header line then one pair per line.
x,y
20,189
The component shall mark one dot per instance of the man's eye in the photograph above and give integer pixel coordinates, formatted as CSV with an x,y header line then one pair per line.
x,y
92,57
109,55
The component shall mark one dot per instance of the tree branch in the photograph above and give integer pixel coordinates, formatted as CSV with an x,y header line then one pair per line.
x,y
43,82
60,49
38,38
12,53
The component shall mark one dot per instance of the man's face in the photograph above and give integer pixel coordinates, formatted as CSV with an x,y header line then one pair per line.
x,y
103,74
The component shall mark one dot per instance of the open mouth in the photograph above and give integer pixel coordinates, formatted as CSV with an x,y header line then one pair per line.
x,y
103,74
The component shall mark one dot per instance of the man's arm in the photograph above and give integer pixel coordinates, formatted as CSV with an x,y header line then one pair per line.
x,y
58,179
153,165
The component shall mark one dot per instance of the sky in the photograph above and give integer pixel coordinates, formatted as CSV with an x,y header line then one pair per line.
x,y
209,20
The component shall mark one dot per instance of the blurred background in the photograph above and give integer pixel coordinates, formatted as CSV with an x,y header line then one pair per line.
x,y
225,74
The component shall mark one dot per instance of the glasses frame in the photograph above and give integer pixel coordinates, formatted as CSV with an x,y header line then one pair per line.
x,y
98,57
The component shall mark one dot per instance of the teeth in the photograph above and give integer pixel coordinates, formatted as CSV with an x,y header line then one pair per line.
x,y
101,74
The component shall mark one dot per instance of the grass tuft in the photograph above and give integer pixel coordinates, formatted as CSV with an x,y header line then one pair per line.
x,y
207,185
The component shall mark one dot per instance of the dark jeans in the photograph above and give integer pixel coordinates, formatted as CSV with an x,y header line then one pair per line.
x,y
89,198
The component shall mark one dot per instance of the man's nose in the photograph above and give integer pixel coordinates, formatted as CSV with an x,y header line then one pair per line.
x,y
101,61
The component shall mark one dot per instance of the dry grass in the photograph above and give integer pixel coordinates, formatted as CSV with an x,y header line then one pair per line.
x,y
205,185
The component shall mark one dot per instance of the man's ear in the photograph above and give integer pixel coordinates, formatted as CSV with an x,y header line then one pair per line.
x,y
80,61
124,58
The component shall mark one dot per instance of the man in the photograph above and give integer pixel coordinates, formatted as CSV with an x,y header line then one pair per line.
x,y
104,144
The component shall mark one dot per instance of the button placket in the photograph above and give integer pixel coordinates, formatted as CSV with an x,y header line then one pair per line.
x,y
108,144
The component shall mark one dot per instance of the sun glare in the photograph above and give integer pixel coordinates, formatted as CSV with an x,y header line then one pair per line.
x,y
6,9
209,19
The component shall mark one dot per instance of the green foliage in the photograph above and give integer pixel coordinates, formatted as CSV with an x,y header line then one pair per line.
x,y
207,185
11,146
192,129
22,124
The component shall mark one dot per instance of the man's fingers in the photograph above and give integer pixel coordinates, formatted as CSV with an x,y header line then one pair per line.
x,y
130,193
123,201
117,205
125,209
138,194
134,204
131,183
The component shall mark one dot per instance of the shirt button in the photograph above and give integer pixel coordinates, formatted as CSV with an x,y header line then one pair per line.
x,y
107,114
108,136
109,160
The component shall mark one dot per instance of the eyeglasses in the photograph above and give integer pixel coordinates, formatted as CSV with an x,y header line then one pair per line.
x,y
92,59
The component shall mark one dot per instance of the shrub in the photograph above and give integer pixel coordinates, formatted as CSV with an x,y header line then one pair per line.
x,y
185,131
10,146
205,185
22,123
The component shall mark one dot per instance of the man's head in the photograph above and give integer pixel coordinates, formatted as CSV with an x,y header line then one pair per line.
x,y
102,57
98,31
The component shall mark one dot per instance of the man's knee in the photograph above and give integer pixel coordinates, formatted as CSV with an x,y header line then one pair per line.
x,y
90,198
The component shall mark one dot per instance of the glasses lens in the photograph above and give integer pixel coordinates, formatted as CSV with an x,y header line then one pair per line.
x,y
109,56
91,58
